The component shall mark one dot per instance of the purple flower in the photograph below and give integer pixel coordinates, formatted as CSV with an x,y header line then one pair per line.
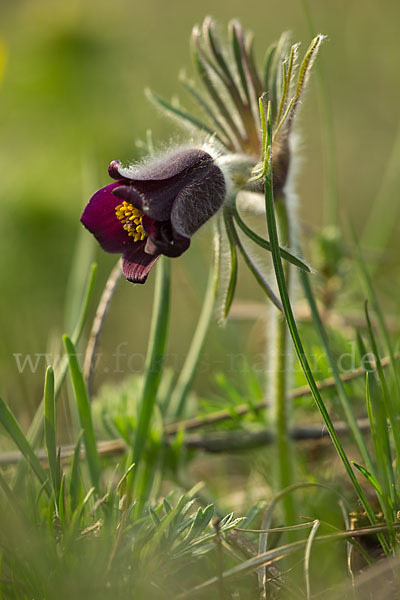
x,y
154,208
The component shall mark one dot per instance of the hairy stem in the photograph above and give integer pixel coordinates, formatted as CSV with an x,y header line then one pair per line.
x,y
278,375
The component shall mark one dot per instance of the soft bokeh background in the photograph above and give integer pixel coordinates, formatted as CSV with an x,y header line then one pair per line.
x,y
71,100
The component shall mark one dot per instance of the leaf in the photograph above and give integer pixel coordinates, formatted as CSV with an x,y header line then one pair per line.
x,y
292,258
179,114
10,424
212,79
74,478
50,431
202,519
232,278
369,476
84,411
224,136
61,502
238,52
235,241
36,429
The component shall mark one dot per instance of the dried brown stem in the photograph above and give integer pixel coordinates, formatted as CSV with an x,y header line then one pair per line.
x,y
98,323
216,443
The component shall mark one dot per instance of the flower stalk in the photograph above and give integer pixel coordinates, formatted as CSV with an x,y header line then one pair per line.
x,y
294,334
188,371
278,383
155,356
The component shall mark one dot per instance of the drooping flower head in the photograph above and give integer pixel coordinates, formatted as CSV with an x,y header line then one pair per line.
x,y
155,208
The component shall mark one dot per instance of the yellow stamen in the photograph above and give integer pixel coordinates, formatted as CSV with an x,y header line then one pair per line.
x,y
131,220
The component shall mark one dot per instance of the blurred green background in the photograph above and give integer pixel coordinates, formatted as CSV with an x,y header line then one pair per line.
x,y
71,100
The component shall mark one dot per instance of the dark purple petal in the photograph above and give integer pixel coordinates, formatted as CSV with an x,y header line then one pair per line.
x,y
177,194
128,193
198,202
163,239
169,165
136,264
99,217
159,182
113,171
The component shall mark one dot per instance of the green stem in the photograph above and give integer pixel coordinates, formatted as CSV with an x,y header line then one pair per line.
x,y
155,356
341,390
279,377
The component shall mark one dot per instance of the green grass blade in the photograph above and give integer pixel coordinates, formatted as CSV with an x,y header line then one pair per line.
x,y
384,498
36,429
155,356
121,483
71,532
61,502
371,294
50,431
74,477
370,412
10,424
11,497
278,267
390,410
335,371
379,430
369,477
84,411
